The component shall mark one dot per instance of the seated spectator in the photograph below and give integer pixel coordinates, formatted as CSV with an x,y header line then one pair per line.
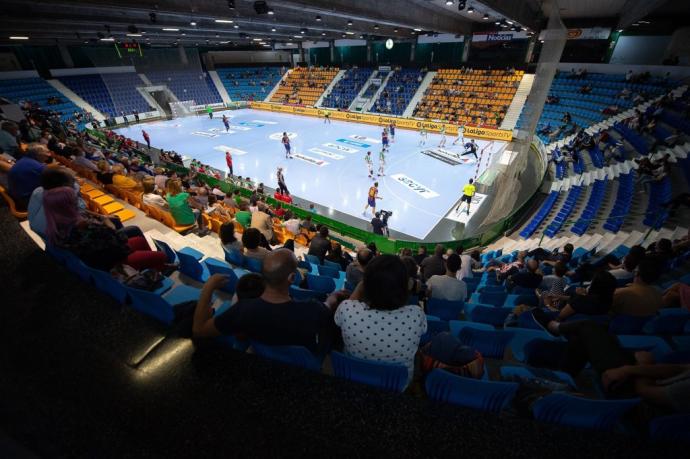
x,y
624,374
320,244
150,198
447,286
50,178
551,292
263,222
376,323
526,278
626,270
594,300
355,270
25,175
336,255
421,255
465,271
104,175
291,223
80,160
160,178
273,318
216,209
9,134
414,283
243,216
433,265
121,180
251,239
228,239
249,286
677,295
307,224
507,269
180,204
641,298
93,238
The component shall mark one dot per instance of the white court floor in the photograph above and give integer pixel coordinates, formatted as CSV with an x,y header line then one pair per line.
x,y
329,167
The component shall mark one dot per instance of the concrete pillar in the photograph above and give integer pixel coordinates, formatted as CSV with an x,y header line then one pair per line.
x,y
467,43
65,55
301,52
369,51
331,47
530,48
413,48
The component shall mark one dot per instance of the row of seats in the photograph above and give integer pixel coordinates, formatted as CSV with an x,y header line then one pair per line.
x,y
304,85
193,85
347,88
111,94
245,83
399,90
38,91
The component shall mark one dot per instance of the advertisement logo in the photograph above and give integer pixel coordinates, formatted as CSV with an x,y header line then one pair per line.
x,y
414,186
340,148
327,154
310,160
353,143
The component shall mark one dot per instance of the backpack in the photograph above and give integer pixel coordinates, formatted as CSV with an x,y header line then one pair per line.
x,y
446,352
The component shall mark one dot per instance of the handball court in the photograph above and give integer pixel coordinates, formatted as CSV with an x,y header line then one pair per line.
x,y
422,183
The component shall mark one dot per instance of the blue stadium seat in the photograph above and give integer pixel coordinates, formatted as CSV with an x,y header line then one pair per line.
x,y
385,375
492,396
565,409
446,310
298,356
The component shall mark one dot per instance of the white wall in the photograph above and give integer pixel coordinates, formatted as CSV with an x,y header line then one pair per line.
x,y
640,49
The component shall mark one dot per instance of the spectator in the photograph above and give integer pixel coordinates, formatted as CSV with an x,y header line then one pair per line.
x,y
104,175
25,175
320,245
640,298
552,288
273,318
9,132
50,178
421,255
355,270
677,295
228,239
251,239
243,216
93,239
447,286
291,223
80,160
121,180
336,255
624,374
376,322
465,271
433,265
594,300
250,286
626,271
150,198
526,278
377,224
181,207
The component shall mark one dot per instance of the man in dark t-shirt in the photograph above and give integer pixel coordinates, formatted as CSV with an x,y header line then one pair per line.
x,y
377,224
273,318
320,245
527,278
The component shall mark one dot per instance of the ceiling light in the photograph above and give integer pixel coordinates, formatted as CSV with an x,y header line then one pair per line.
x,y
302,30
323,33
417,30
224,21
317,18
170,30
217,35
349,23
619,30
273,29
193,24
343,35
449,2
509,21
266,45
470,10
376,27
297,36
102,39
270,11
395,30
257,39
134,35
350,32
184,34
486,16
236,26
21,37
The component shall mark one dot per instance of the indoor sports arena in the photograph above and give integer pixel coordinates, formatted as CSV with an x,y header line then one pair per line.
x,y
424,228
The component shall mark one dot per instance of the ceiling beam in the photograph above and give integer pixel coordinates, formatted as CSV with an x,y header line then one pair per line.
x,y
526,12
634,10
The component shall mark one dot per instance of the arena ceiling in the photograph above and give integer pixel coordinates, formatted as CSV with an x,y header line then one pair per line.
x,y
242,22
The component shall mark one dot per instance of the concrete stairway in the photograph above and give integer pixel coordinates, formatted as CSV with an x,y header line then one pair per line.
x,y
518,102
428,78
330,87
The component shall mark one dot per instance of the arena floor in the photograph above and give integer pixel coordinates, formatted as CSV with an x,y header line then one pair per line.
x,y
421,185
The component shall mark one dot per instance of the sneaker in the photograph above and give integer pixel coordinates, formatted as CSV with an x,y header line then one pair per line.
x,y
542,319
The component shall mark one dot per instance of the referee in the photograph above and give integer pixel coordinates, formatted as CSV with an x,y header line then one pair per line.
x,y
467,193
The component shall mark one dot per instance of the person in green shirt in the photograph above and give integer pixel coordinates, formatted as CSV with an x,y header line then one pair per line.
x,y
209,110
180,208
243,216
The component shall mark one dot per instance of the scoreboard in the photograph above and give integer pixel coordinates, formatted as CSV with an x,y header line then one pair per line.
x,y
131,47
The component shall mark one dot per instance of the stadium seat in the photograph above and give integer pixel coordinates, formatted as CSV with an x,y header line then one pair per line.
x,y
329,271
493,396
234,257
161,307
298,356
215,266
491,315
190,266
253,264
384,375
565,409
434,326
491,343
444,309
321,284
518,374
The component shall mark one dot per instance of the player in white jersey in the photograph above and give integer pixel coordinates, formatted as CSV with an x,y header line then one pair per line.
x,y
370,164
442,143
461,135
423,135
382,162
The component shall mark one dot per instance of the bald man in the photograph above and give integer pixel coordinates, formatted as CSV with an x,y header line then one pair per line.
x,y
274,318
526,278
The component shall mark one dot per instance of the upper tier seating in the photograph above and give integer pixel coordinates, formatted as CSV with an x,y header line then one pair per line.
x,y
188,85
470,96
38,91
347,88
609,95
400,89
304,86
111,94
249,83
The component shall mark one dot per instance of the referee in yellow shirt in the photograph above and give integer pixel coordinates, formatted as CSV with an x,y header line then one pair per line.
x,y
467,193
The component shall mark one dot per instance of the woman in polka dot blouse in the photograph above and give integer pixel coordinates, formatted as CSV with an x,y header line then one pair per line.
x,y
376,322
